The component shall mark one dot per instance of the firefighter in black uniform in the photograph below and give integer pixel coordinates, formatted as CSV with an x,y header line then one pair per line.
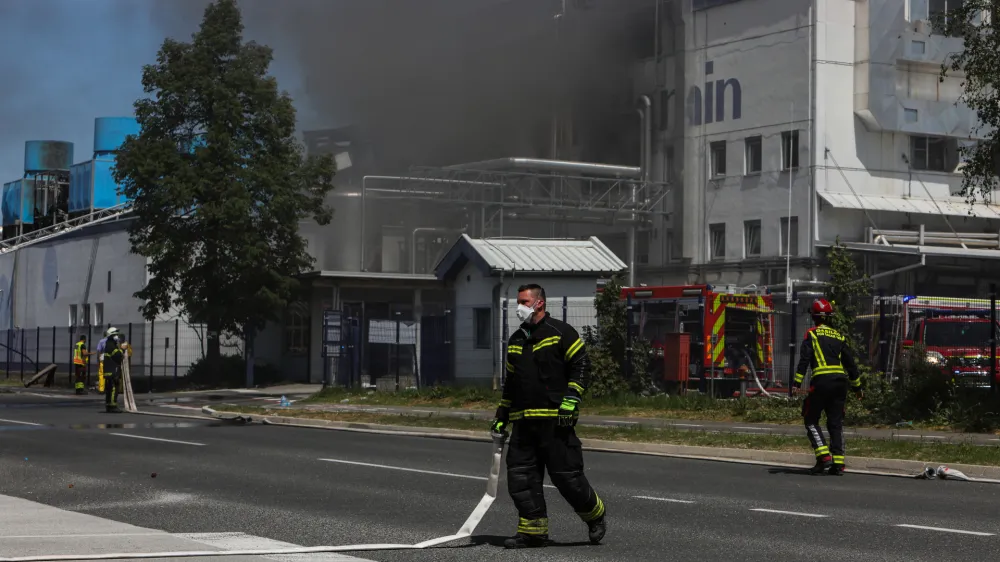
x,y
833,370
114,349
547,370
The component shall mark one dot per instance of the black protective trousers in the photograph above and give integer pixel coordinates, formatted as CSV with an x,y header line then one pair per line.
x,y
537,446
112,383
827,393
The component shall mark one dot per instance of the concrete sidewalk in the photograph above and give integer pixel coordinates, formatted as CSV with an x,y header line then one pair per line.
x,y
694,425
28,528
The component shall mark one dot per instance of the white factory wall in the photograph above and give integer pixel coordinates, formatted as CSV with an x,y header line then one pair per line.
x,y
867,77
474,290
759,49
52,279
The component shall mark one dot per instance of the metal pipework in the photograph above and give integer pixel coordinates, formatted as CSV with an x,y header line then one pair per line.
x,y
413,241
537,164
645,110
364,196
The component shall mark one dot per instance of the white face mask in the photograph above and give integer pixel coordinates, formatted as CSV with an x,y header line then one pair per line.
x,y
524,313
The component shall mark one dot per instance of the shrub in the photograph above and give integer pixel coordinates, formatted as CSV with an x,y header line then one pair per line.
x,y
231,372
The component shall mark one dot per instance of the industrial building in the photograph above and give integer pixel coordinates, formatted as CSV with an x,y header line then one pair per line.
x,y
759,132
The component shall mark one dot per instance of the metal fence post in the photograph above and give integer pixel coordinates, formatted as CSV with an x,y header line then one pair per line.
x,y
54,345
22,356
628,337
38,347
177,339
72,366
791,343
883,343
503,343
993,338
565,308
152,354
397,351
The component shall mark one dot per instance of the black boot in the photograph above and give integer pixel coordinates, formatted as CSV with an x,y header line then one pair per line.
x,y
522,540
822,465
837,470
596,529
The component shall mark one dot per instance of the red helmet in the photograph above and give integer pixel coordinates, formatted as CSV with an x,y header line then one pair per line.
x,y
822,308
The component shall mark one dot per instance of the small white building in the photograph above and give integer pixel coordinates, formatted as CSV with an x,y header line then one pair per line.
x,y
485,274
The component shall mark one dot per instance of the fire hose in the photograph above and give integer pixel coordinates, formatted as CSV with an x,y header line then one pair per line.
x,y
464,531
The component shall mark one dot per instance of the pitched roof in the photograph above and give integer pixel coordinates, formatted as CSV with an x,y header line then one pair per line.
x,y
530,255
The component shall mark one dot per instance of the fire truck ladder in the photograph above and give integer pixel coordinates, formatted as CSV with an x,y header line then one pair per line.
x,y
59,229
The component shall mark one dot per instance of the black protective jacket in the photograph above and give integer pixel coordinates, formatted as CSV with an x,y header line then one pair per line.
x,y
545,362
828,354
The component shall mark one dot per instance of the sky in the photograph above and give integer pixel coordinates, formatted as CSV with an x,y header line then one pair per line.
x,y
438,81
65,62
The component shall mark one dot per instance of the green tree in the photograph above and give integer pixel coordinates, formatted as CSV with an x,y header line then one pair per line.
x,y
847,290
979,67
607,346
218,182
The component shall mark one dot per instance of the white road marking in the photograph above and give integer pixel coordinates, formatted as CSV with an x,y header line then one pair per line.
x,y
42,395
20,422
920,436
687,425
944,530
417,470
624,422
753,428
817,515
83,536
671,500
158,439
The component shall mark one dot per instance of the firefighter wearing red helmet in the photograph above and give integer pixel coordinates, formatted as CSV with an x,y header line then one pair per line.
x,y
827,352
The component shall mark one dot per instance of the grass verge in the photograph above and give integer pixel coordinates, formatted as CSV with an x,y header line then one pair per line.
x,y
858,447
626,405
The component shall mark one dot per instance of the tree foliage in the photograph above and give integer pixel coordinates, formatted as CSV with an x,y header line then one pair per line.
x,y
846,290
218,182
979,67
607,346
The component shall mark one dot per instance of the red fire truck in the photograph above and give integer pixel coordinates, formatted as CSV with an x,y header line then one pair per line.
x,y
955,333
718,339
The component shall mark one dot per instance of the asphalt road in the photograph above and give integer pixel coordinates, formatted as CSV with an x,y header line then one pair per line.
x,y
272,482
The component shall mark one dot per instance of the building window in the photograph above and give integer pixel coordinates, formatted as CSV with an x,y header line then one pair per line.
x,y
789,150
73,318
918,48
717,241
939,12
928,153
911,115
751,238
753,155
85,315
481,318
99,314
718,159
297,329
789,236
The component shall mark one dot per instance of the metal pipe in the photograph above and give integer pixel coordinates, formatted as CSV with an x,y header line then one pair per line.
x,y
645,159
537,164
572,219
413,241
923,262
364,196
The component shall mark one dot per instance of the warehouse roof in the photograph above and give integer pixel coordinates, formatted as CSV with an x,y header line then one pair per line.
x,y
530,255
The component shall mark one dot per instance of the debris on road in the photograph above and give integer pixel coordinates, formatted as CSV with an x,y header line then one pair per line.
x,y
942,472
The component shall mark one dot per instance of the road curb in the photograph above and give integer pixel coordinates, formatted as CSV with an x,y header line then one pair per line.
x,y
857,465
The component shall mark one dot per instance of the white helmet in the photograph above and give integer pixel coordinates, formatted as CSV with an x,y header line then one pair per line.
x,y
110,331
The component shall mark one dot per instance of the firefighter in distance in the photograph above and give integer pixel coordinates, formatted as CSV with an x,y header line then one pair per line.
x,y
547,372
827,352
